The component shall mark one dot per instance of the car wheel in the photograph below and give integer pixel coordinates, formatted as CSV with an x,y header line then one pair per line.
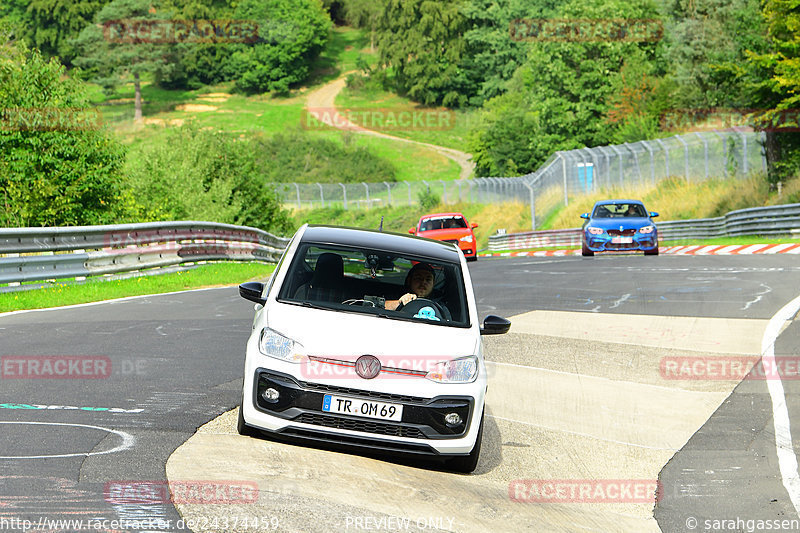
x,y
466,464
585,251
241,427
654,251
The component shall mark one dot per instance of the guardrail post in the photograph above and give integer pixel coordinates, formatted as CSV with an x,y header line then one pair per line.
x,y
344,194
685,155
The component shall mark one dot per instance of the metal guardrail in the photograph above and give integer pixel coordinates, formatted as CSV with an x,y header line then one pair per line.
x,y
773,220
36,254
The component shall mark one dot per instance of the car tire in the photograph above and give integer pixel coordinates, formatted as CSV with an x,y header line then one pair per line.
x,y
585,251
466,464
241,427
654,251
473,258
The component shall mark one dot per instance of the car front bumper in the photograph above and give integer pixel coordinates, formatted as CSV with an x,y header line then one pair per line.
x,y
422,431
605,242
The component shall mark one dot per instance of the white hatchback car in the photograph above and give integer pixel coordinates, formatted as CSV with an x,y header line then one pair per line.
x,y
334,357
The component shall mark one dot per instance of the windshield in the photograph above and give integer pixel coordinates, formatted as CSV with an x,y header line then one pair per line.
x,y
368,281
619,211
445,222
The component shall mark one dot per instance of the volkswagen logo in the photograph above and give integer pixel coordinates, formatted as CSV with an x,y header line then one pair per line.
x,y
368,366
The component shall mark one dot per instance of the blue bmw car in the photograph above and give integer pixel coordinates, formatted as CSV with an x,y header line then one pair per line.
x,y
619,225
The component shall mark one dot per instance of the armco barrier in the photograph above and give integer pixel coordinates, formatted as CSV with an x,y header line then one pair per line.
x,y
774,220
79,251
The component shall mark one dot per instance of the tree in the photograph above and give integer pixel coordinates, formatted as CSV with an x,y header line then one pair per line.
x,y
113,50
291,33
422,42
58,164
561,96
364,14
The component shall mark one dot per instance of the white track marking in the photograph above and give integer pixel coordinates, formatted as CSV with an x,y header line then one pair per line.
x,y
787,459
128,441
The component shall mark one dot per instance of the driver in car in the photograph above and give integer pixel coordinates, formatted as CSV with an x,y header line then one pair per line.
x,y
419,283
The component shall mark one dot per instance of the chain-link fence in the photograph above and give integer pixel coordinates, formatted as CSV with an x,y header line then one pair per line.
x,y
694,157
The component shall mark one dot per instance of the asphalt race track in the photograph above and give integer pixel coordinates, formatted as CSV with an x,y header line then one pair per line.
x,y
619,371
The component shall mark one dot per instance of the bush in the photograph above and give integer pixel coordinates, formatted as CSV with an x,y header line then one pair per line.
x,y
299,157
428,199
197,174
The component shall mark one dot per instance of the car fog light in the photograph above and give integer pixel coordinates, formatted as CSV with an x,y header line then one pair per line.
x,y
271,395
452,419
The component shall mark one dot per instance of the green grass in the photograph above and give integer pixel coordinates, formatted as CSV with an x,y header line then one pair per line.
x,y
95,290
451,131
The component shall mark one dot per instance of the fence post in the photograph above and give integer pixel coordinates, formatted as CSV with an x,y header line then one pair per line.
x,y
366,186
297,188
409,191
533,205
744,152
619,157
344,194
705,151
724,153
685,156
652,162
321,195
389,189
458,182
666,156
564,173
444,192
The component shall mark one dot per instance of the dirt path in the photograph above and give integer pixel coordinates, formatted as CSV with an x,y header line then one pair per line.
x,y
325,98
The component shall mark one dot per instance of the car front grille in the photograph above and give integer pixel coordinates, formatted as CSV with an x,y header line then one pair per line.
x,y
623,233
397,398
379,428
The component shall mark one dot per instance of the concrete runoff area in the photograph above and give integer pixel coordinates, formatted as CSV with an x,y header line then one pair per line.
x,y
564,403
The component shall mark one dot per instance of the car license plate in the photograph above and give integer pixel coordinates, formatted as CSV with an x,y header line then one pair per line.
x,y
356,407
622,240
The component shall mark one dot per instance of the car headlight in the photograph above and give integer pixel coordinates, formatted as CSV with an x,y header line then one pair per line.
x,y
466,238
461,370
647,229
276,345
595,231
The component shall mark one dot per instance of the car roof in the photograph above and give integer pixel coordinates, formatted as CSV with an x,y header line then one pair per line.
x,y
433,215
381,240
604,202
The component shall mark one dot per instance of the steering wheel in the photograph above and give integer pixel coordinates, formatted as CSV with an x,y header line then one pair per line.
x,y
415,306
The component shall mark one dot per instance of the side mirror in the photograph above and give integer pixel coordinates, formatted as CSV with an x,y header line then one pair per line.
x,y
252,291
412,231
495,325
653,214
585,215
474,225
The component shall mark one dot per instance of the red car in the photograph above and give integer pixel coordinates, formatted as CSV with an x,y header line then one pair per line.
x,y
449,227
